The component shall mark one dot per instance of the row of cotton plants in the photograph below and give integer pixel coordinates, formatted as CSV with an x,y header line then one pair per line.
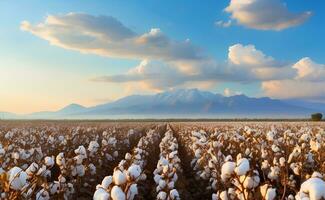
x,y
274,162
169,164
56,162
122,185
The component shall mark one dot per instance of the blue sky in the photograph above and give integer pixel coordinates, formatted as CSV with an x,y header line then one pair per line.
x,y
37,75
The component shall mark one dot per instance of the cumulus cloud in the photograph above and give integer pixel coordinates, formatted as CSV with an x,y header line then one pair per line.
x,y
265,14
244,64
106,36
308,83
287,89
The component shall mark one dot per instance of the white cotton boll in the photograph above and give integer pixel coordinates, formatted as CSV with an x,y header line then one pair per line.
x,y
80,170
107,181
227,169
32,169
79,159
137,157
101,194
132,192
270,194
119,177
171,185
314,187
60,160
134,171
265,164
305,137
81,150
162,183
43,195
157,178
17,178
115,154
162,195
92,168
275,148
117,193
274,173
242,167
49,161
174,194
317,175
282,161
215,196
54,187
15,155
198,153
270,136
250,182
93,146
128,156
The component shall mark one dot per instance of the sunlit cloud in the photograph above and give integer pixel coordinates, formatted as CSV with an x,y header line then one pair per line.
x,y
264,14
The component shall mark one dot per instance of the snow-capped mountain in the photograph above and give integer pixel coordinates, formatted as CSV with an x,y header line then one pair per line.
x,y
187,103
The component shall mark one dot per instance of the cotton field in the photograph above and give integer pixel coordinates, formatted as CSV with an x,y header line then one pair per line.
x,y
164,161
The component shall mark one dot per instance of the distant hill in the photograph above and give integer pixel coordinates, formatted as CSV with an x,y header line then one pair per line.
x,y
187,103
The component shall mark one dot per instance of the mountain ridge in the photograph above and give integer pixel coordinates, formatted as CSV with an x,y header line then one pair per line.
x,y
183,103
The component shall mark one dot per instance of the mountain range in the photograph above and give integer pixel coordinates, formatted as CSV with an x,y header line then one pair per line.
x,y
182,103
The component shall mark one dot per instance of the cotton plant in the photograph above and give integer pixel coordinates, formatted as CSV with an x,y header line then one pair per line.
x,y
123,183
165,175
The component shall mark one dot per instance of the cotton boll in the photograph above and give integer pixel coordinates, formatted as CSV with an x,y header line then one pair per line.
x,y
128,156
107,181
314,188
92,168
119,177
80,169
174,195
32,169
117,193
132,192
60,160
215,196
162,195
17,178
242,167
274,173
228,168
93,146
282,161
101,194
43,195
134,172
15,155
270,194
49,161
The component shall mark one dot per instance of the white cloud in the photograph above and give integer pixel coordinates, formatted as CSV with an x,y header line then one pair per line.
x,y
286,89
106,36
254,62
308,83
265,14
309,70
